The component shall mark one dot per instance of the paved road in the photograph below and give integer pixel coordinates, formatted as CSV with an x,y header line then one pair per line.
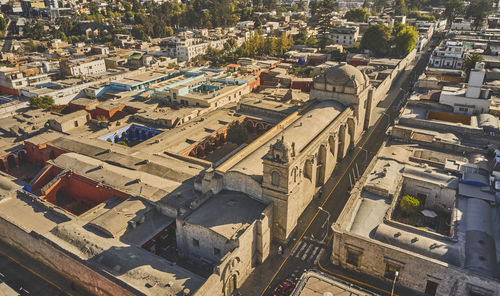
x,y
30,277
312,243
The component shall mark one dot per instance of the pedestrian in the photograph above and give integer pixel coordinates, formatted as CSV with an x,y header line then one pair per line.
x,y
280,250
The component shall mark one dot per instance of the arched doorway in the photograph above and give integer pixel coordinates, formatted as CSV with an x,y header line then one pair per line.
x,y
21,157
11,161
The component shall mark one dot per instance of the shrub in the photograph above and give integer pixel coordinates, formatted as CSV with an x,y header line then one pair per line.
x,y
409,205
44,102
237,133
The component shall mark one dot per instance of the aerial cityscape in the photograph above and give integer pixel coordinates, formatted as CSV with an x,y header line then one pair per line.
x,y
250,148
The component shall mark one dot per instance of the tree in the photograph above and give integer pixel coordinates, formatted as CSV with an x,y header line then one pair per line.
x,y
169,31
357,15
301,37
453,8
478,10
400,7
404,40
312,41
138,33
378,6
44,102
237,133
283,44
324,22
409,205
3,24
470,62
270,46
377,39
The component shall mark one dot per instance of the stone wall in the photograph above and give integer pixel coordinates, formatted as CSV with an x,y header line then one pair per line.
x,y
375,255
42,250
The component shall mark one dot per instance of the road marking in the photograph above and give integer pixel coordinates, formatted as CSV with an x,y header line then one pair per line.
x,y
35,273
313,254
379,120
353,280
300,251
295,249
306,253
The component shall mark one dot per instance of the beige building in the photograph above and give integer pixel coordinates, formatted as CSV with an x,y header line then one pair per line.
x,y
293,160
83,67
64,123
447,247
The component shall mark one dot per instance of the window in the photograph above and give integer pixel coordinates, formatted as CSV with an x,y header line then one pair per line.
x,y
196,243
353,257
390,270
275,179
76,123
216,252
431,288
463,109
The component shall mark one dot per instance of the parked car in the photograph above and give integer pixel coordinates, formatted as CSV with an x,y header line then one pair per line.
x,y
285,288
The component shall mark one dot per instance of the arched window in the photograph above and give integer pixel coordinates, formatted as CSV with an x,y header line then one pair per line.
x,y
275,179
308,169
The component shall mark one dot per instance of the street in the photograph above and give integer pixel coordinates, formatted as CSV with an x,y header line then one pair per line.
x,y
29,277
314,243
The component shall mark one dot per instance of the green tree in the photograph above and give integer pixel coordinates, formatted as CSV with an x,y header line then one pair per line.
x,y
404,41
400,7
283,44
237,133
378,6
312,41
377,39
270,46
357,15
470,62
324,22
44,102
3,24
478,10
453,8
409,205
139,33
301,37
169,31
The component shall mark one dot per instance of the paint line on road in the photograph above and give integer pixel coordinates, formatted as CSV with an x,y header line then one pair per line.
x,y
306,253
375,127
35,273
353,280
313,254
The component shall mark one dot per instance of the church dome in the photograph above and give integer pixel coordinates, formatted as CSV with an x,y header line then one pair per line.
x,y
344,74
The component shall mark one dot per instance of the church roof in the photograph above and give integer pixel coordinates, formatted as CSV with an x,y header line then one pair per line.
x,y
344,74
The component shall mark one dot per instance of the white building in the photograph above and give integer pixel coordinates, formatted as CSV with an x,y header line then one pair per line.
x,y
461,24
345,35
185,49
449,56
473,99
83,67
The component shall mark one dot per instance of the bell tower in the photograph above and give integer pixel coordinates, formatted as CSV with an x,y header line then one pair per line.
x,y
277,184
276,163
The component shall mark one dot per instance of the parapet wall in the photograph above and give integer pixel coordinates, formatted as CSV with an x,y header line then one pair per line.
x,y
40,249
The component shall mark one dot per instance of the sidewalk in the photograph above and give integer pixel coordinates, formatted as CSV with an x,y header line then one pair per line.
x,y
376,285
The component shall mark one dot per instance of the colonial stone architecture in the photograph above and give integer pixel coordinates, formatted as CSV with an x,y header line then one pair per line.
x,y
288,164
139,194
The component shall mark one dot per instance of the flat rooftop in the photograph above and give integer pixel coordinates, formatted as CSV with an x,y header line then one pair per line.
x,y
239,211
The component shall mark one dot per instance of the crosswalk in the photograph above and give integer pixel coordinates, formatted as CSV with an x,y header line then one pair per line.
x,y
306,255
307,251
